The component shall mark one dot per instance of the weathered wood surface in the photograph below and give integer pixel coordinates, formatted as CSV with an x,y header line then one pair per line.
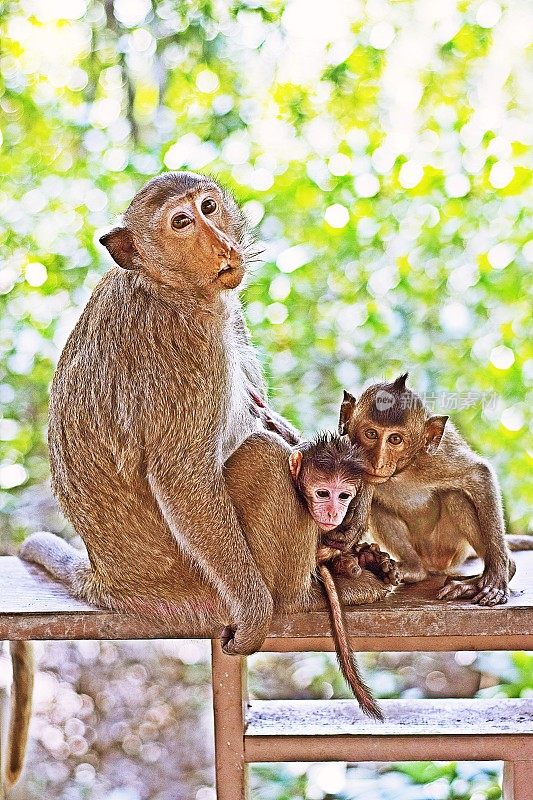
x,y
412,717
32,606
332,730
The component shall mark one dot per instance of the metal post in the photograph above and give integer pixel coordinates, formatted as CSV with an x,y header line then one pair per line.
x,y
229,697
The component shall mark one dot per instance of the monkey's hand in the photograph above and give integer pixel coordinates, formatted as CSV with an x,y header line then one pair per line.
x,y
246,636
272,421
378,562
485,590
340,564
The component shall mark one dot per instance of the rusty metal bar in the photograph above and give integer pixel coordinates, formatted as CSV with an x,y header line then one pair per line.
x,y
229,675
517,780
391,748
401,644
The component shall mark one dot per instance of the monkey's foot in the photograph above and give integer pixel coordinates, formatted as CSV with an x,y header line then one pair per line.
x,y
484,590
246,636
347,565
411,574
378,562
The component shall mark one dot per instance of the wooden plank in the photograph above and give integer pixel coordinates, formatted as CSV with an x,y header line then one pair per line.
x,y
229,696
32,606
330,730
451,717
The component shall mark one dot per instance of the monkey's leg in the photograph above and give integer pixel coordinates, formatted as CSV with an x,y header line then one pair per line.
x,y
391,533
461,521
366,588
279,530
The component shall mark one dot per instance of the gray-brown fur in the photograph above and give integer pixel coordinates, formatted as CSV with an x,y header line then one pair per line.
x,y
150,397
435,501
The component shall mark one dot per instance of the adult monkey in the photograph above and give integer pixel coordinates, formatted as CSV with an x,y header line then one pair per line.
x,y
153,391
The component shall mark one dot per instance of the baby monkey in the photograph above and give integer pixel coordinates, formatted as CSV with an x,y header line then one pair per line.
x,y
328,476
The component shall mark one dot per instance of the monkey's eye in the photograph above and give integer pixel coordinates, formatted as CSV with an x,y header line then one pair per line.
x,y
180,221
395,438
371,434
344,496
322,493
208,206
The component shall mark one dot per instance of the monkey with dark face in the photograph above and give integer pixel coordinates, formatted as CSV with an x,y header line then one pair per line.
x,y
328,475
435,501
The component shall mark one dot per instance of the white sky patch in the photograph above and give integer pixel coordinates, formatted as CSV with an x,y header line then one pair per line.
x,y
277,313
457,185
294,257
512,418
381,35
35,273
261,179
207,82
410,175
501,255
339,164
279,288
254,211
501,174
131,12
488,14
12,475
502,357
455,319
366,185
337,215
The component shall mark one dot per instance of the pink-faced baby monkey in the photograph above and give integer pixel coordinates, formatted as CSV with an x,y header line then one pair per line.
x,y
328,477
435,501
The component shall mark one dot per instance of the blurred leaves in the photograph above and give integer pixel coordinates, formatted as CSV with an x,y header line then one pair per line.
x,y
391,191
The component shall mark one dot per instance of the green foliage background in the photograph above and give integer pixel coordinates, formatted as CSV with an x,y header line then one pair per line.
x,y
382,149
296,113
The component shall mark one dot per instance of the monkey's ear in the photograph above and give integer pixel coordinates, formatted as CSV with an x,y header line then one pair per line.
x,y
347,407
121,248
399,383
295,463
434,431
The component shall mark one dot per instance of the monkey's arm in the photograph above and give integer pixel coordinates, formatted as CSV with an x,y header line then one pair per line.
x,y
487,539
391,533
272,421
211,534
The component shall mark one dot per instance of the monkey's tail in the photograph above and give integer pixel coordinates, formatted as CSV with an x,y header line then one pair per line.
x,y
20,713
515,543
345,657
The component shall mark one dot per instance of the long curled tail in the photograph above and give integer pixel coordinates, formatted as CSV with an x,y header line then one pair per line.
x,y
515,542
20,714
345,657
